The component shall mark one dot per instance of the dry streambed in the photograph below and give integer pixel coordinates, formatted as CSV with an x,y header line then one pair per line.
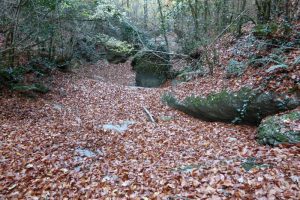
x,y
57,146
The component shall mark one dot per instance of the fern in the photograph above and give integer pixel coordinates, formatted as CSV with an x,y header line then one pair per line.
x,y
297,61
34,87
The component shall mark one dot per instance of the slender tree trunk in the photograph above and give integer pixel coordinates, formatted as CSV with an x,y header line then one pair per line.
x,y
145,14
14,34
224,15
264,10
206,12
195,16
240,21
287,10
163,24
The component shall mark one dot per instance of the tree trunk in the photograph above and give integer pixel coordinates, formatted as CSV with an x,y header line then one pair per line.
x,y
194,12
240,21
163,24
206,12
145,14
287,10
263,10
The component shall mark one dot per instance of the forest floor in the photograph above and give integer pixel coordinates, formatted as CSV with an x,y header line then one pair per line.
x,y
55,146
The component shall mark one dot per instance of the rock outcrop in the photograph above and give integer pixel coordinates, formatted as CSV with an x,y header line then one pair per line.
x,y
243,107
152,67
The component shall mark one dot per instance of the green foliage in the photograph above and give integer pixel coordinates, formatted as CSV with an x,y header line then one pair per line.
x,y
189,44
85,49
47,3
106,9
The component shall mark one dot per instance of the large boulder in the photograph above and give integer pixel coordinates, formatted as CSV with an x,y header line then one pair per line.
x,y
152,67
280,129
243,107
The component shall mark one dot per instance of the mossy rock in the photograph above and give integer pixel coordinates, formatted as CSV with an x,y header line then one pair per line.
x,y
116,51
116,57
152,67
280,129
243,107
145,79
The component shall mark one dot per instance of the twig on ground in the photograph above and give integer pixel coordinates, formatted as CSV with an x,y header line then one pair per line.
x,y
150,116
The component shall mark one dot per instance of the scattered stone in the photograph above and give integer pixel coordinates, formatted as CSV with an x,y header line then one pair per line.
x,y
166,118
232,139
58,107
251,163
85,152
109,178
120,128
187,168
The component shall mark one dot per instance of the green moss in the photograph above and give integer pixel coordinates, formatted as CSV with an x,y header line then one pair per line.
x,y
245,106
116,51
265,30
292,116
115,45
149,62
275,130
152,67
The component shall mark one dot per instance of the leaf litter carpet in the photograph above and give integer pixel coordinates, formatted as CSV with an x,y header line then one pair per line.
x,y
55,147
